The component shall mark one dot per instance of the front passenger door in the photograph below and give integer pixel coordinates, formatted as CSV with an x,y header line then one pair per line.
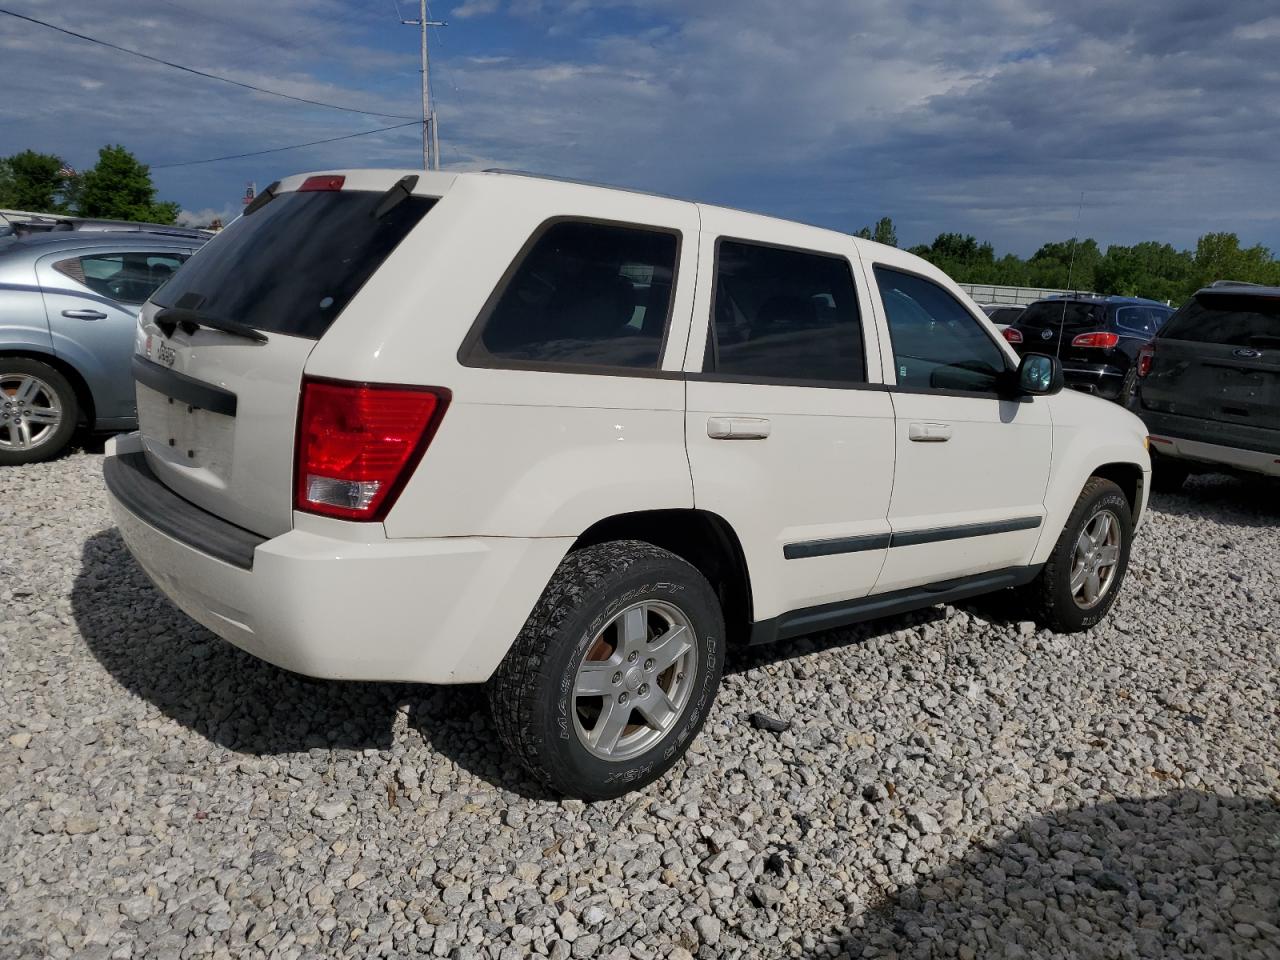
x,y
972,462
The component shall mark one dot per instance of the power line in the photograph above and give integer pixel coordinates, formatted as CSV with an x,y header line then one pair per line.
x,y
200,73
293,146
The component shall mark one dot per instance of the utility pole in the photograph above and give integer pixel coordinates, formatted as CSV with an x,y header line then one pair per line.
x,y
430,133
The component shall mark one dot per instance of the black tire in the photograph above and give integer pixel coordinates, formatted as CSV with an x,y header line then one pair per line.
x,y
532,693
1128,397
1050,598
51,441
1168,476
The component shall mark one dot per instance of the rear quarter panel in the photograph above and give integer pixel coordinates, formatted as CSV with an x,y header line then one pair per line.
x,y
519,453
23,324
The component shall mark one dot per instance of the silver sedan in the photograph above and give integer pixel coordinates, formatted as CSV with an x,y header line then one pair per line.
x,y
68,313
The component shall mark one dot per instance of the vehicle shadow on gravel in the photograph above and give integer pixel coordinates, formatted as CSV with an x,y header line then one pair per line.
x,y
1235,501
1187,874
247,706
740,658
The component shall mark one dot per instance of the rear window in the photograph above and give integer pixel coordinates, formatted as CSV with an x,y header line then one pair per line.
x,y
584,294
1234,321
1005,314
127,277
1051,312
292,266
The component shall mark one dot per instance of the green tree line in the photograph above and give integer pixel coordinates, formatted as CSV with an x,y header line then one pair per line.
x,y
117,187
1148,269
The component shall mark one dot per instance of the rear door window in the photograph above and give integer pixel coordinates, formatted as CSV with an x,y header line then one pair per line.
x,y
1144,321
127,277
582,294
1233,321
293,265
937,343
784,315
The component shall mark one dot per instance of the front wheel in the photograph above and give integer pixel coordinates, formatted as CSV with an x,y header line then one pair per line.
x,y
614,672
1082,577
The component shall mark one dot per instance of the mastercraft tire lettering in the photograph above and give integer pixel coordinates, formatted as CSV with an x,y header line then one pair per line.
x,y
615,671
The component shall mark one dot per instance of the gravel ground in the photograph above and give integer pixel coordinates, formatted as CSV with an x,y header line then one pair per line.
x,y
952,784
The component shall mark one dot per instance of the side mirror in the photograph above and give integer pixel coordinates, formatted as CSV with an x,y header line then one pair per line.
x,y
1040,374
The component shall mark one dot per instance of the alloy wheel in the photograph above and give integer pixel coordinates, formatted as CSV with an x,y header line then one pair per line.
x,y
635,680
30,412
1095,560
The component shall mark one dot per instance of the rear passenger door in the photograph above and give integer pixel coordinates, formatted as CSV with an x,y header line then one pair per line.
x,y
91,298
972,462
789,431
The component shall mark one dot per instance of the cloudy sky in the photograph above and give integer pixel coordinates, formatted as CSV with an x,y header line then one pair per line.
x,y
992,116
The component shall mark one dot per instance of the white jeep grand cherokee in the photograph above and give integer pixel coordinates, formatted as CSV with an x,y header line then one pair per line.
x,y
572,441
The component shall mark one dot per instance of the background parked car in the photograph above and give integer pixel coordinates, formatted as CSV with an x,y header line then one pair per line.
x,y
1096,338
1003,314
1208,385
21,223
68,315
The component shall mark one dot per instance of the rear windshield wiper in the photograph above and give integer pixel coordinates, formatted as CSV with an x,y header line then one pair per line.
x,y
169,319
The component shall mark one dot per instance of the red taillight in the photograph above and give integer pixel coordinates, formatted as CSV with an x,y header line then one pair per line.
x,y
1099,339
358,443
1012,335
324,182
1146,356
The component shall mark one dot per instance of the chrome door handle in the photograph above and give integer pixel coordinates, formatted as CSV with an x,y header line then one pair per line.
x,y
737,428
84,314
929,432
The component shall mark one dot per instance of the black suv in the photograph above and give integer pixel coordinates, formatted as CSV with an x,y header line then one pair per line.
x,y
1096,338
1209,385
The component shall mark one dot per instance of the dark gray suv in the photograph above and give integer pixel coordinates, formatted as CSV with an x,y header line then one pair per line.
x,y
1208,385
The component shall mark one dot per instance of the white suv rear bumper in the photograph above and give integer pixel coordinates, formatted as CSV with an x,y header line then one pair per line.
x,y
442,610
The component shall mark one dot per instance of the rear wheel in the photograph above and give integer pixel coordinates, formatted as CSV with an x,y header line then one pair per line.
x,y
614,672
37,411
1082,577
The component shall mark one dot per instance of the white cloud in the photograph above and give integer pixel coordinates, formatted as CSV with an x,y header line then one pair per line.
x,y
474,8
989,117
202,218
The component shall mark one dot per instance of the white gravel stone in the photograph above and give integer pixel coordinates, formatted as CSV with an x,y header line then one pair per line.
x,y
329,811
951,783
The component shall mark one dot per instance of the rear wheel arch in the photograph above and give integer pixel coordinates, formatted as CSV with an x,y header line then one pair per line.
x,y
703,539
84,396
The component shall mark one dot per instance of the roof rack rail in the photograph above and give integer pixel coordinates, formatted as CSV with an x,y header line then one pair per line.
x,y
581,183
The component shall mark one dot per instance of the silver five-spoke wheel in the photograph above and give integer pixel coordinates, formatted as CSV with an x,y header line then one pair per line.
x,y
635,680
1097,554
30,412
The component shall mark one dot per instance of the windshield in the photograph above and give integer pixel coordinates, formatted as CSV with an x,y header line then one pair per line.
x,y
1227,319
292,266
